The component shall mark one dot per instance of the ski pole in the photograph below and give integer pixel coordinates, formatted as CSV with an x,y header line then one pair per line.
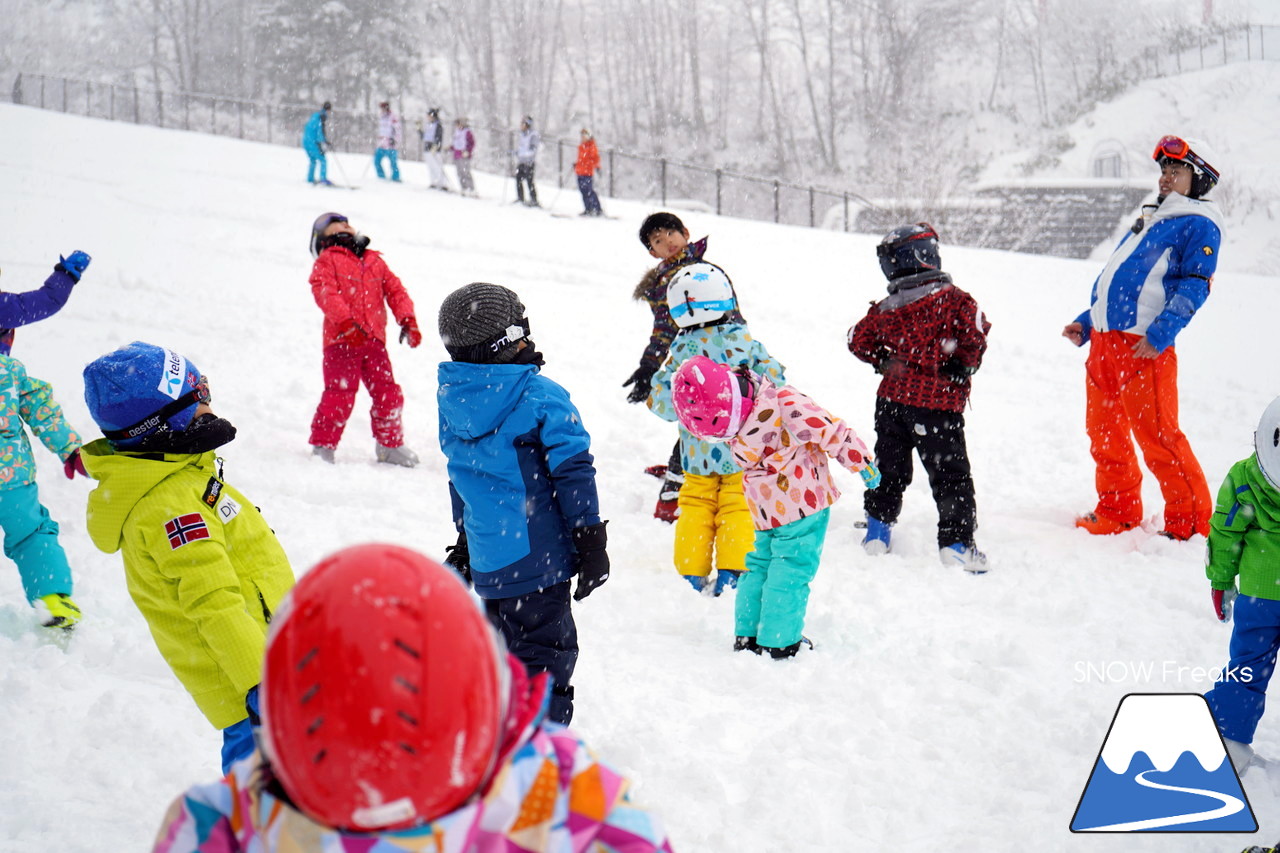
x,y
342,171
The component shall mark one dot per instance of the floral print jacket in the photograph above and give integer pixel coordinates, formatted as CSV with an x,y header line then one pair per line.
x,y
27,400
783,448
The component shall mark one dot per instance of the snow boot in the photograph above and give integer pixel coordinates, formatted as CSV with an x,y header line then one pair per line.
x,y
1241,754
698,582
746,644
726,579
1100,526
401,455
876,542
324,454
62,611
967,557
788,651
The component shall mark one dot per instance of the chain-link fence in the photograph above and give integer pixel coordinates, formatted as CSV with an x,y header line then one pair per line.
x,y
1197,50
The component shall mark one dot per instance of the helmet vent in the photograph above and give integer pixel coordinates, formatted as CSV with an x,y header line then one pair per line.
x,y
406,684
407,717
407,748
315,725
319,756
306,659
407,649
1275,439
309,694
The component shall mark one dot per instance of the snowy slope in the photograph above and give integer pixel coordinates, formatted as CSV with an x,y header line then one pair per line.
x,y
940,709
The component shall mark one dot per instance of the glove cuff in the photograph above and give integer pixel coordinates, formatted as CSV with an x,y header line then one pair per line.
x,y
590,538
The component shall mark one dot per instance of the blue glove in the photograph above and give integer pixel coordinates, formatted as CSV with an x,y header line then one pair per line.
x,y
726,579
75,264
870,475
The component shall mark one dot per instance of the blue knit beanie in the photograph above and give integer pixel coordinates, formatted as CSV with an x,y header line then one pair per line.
x,y
126,388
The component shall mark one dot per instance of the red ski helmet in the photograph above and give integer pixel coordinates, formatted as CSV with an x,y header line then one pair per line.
x,y
384,691
711,399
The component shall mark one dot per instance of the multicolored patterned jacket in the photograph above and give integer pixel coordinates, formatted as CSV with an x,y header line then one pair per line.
x,y
783,449
551,796
652,290
27,400
724,343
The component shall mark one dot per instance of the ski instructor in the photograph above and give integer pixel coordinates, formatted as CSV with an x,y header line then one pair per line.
x,y
1154,282
314,142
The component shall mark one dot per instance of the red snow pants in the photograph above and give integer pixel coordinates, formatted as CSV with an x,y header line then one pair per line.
x,y
1127,395
345,367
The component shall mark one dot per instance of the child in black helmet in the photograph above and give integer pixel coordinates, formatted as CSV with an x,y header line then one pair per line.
x,y
925,339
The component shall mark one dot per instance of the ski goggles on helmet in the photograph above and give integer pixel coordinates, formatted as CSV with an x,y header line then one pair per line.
x,y
1176,148
324,220
198,394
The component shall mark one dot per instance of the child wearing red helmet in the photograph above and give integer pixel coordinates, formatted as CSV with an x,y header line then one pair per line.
x,y
782,439
394,720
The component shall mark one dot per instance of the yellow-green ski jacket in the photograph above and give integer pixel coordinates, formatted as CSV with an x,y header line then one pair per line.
x,y
200,563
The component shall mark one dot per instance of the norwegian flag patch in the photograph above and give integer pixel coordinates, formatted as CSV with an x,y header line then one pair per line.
x,y
186,528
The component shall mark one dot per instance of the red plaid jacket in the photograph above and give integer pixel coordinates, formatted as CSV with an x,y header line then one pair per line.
x,y
912,333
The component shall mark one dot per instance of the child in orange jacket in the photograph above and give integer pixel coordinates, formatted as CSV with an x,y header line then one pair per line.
x,y
351,283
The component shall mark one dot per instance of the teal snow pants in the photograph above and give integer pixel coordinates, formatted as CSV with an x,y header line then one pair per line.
x,y
31,541
774,593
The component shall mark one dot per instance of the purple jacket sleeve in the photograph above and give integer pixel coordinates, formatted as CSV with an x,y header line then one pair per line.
x,y
19,309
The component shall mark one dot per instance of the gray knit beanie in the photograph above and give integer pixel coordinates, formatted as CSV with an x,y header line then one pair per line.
x,y
481,323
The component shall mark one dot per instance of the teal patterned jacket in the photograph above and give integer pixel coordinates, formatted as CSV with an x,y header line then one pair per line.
x,y
726,343
27,400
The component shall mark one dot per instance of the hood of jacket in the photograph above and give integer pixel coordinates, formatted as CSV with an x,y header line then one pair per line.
x,y
123,480
474,399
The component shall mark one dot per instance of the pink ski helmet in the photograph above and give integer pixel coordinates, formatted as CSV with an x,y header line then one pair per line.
x,y
711,400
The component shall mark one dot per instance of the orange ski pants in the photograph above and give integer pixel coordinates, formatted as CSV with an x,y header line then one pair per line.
x,y
1127,395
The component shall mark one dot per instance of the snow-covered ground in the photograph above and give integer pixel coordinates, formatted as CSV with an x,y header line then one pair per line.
x,y
940,710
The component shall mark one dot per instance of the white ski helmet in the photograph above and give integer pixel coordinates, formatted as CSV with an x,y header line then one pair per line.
x,y
1267,442
699,293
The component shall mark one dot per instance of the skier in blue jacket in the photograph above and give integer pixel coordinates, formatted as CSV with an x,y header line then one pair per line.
x,y
20,309
522,482
314,141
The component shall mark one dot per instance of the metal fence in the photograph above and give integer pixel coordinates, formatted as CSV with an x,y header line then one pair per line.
x,y
1199,50
622,174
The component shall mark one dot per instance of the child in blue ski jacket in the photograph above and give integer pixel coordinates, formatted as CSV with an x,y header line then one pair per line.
x,y
30,535
714,527
522,483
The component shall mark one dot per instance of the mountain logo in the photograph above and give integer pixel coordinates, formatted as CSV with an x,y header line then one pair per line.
x,y
1163,768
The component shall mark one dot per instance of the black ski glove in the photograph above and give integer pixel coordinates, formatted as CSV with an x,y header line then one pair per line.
x,y
593,560
459,558
643,381
958,372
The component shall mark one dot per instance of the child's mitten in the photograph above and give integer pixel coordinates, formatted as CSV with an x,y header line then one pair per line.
x,y
1223,599
870,474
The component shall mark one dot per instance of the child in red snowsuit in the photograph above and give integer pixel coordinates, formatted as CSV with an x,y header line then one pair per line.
x,y
351,283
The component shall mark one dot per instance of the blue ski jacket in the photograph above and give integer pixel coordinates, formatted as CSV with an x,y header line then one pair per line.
x,y
1157,279
313,134
19,309
521,475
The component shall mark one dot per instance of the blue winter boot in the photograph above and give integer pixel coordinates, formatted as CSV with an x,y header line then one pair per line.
x,y
876,542
698,582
